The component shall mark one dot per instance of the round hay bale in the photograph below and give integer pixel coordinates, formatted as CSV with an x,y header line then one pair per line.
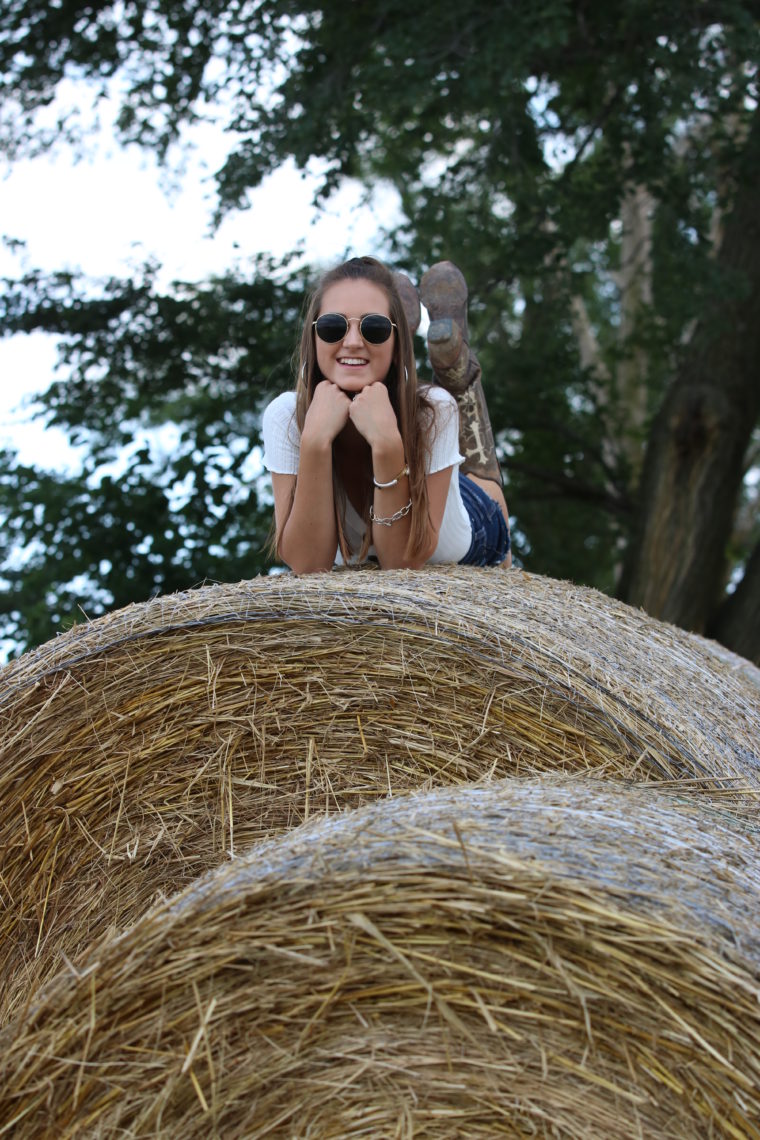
x,y
542,957
139,750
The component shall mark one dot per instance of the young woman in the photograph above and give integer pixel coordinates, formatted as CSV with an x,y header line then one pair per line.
x,y
365,462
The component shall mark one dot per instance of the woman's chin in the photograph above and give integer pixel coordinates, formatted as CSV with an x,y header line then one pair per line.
x,y
351,384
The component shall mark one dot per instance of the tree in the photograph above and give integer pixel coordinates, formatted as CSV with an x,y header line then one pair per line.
x,y
151,511
701,435
582,161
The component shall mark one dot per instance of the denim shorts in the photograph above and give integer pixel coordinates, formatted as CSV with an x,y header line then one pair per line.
x,y
490,534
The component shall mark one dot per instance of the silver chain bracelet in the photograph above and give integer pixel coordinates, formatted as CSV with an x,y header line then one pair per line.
x,y
399,514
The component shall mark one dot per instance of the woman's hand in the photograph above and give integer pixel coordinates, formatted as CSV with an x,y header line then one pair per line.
x,y
327,414
372,414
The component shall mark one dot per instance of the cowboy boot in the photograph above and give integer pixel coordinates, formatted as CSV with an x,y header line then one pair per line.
x,y
443,290
410,300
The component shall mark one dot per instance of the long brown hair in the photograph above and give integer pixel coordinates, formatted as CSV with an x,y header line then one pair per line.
x,y
414,413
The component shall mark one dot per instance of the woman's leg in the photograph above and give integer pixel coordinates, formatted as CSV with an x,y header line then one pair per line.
x,y
443,291
410,300
494,491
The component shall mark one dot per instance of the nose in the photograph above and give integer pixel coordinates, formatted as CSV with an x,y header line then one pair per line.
x,y
353,336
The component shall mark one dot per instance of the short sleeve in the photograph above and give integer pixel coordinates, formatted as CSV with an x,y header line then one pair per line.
x,y
444,442
282,439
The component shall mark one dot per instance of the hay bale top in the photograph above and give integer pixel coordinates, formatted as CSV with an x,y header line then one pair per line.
x,y
704,700
579,627
672,858
542,957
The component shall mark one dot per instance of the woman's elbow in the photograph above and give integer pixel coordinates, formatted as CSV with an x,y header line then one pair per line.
x,y
309,568
307,565
413,561
305,562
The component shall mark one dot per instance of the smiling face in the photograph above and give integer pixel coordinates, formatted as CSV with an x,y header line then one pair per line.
x,y
352,363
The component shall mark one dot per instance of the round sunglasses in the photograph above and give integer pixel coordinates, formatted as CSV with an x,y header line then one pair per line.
x,y
374,328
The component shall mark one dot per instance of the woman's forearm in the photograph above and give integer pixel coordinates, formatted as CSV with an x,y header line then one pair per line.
x,y
309,539
393,521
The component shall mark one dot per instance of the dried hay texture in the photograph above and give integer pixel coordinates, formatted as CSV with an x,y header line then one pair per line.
x,y
551,957
139,750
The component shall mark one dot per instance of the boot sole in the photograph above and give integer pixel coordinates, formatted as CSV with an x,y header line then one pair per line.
x,y
443,291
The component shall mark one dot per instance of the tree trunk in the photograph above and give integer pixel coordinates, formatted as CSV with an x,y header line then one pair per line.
x,y
694,465
737,622
634,281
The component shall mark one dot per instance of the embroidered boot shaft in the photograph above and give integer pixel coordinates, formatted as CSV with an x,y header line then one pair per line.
x,y
443,291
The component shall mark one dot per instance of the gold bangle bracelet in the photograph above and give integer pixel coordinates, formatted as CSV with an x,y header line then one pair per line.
x,y
383,486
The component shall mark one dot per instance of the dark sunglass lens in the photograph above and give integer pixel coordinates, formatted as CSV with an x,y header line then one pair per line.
x,y
331,327
375,328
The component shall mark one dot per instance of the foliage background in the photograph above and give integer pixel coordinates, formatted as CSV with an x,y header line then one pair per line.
x,y
593,168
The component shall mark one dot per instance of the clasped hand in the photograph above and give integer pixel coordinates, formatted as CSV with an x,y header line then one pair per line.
x,y
370,411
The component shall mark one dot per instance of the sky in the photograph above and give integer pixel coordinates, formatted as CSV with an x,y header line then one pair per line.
x,y
111,211
106,214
